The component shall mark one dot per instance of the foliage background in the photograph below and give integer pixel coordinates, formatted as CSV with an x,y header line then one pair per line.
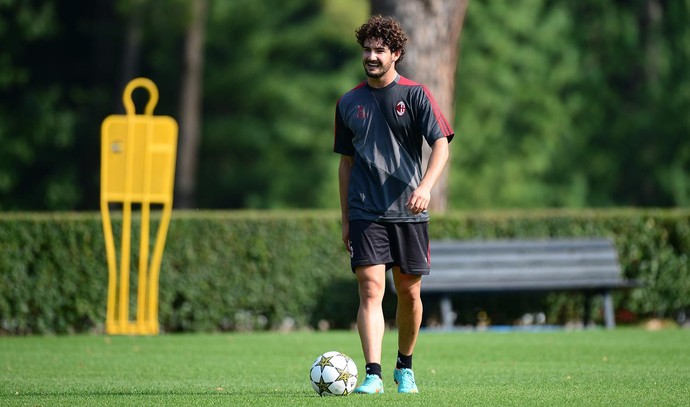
x,y
559,104
573,104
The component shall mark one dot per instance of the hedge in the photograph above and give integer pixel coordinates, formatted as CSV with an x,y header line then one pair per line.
x,y
247,270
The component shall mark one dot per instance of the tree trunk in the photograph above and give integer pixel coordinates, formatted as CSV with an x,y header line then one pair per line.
x,y
433,28
190,106
131,54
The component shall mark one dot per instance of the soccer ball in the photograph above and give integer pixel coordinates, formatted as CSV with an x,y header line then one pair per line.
x,y
333,374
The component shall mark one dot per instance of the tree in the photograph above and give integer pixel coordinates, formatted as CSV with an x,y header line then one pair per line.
x,y
274,71
574,104
520,144
50,92
635,76
190,106
433,28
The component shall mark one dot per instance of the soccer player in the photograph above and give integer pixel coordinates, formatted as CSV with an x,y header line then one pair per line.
x,y
380,126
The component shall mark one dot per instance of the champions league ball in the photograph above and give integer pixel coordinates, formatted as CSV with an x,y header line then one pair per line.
x,y
333,374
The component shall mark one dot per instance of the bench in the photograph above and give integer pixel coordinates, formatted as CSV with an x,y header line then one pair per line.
x,y
587,265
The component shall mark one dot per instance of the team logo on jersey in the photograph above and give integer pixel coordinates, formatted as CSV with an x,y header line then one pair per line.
x,y
400,108
361,113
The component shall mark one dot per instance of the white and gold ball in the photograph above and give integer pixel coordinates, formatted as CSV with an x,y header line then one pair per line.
x,y
333,374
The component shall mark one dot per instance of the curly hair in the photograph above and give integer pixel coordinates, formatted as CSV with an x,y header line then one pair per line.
x,y
386,29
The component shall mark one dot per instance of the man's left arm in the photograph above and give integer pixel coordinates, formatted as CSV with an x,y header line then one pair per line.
x,y
419,200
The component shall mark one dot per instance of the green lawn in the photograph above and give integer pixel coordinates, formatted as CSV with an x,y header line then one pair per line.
x,y
623,367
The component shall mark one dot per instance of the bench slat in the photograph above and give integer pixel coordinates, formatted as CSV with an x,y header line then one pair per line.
x,y
517,245
459,263
525,286
534,273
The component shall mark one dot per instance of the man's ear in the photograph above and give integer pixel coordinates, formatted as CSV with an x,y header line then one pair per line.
x,y
396,55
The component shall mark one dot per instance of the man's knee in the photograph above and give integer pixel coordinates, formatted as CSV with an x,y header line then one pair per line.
x,y
371,284
408,290
407,282
370,290
409,295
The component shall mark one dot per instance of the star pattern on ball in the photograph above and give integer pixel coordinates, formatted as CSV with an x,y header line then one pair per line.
x,y
343,374
323,386
325,361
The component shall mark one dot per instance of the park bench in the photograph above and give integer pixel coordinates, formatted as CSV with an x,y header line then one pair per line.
x,y
587,265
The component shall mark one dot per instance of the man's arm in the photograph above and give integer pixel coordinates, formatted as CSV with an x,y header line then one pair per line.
x,y
344,171
419,200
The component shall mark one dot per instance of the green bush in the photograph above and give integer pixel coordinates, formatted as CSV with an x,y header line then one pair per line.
x,y
242,270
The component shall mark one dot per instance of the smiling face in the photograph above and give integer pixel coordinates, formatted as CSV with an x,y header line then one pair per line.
x,y
379,62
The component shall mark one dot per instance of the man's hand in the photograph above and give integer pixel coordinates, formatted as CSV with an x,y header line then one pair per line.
x,y
419,200
346,236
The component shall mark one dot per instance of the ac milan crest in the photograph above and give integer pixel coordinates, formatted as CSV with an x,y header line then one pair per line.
x,y
400,108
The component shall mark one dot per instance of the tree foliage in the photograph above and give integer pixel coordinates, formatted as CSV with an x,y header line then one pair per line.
x,y
515,107
37,128
275,71
634,65
558,104
573,104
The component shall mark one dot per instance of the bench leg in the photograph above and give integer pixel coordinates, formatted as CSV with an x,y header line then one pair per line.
x,y
447,314
609,317
587,318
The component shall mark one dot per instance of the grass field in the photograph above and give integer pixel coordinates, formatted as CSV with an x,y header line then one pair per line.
x,y
623,367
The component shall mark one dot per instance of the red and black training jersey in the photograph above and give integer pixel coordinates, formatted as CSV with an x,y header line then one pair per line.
x,y
384,129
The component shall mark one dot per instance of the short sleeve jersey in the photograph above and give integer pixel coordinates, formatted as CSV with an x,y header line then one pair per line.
x,y
383,129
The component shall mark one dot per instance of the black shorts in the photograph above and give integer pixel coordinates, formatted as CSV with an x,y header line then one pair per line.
x,y
394,244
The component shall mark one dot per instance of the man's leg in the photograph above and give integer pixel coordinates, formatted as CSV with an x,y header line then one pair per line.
x,y
409,319
409,310
370,322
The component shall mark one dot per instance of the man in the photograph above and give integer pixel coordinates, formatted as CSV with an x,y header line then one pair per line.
x,y
379,129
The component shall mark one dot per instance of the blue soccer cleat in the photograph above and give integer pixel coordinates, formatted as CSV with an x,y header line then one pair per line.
x,y
371,385
404,378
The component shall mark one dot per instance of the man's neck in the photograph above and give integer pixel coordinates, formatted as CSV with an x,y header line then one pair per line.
x,y
383,81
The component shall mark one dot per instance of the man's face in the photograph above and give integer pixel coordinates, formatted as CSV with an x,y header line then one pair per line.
x,y
377,58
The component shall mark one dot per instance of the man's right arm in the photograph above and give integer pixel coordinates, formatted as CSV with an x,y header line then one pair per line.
x,y
344,171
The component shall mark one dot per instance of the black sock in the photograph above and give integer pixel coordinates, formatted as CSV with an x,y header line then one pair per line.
x,y
404,362
374,368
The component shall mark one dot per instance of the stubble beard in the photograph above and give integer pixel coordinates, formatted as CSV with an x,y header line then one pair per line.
x,y
383,69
